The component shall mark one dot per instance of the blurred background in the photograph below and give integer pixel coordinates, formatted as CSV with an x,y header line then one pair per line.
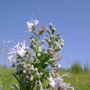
x,y
71,19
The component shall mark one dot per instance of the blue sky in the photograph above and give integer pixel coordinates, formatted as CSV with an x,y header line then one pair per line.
x,y
71,19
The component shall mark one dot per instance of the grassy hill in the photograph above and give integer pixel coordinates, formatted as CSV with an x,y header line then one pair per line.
x,y
80,80
6,78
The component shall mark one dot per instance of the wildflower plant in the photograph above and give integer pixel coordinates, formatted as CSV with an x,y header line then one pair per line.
x,y
36,64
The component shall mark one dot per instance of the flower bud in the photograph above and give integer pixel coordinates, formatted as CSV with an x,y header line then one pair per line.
x,y
41,73
38,55
32,67
24,71
50,25
27,76
39,48
59,66
31,78
57,37
36,69
52,38
38,74
62,43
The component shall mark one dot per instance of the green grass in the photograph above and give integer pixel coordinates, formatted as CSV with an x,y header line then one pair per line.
x,y
6,78
76,68
79,76
81,81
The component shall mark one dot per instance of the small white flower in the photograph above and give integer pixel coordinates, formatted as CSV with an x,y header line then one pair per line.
x,y
38,54
56,56
19,49
40,48
31,78
41,73
58,81
12,58
38,74
31,24
62,42
52,81
24,71
36,69
67,85
32,67
59,66
21,52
